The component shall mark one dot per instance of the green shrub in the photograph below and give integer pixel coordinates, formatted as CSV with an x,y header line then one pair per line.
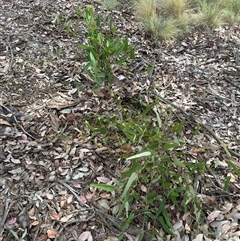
x,y
159,175
104,49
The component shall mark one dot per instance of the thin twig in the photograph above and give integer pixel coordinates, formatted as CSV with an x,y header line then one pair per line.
x,y
6,211
28,134
231,82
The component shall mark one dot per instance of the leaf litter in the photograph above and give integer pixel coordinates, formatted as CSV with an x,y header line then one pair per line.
x,y
43,136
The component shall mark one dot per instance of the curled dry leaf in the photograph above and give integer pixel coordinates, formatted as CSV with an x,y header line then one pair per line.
x,y
49,196
227,207
52,233
105,195
219,226
103,203
235,215
83,199
199,237
213,215
66,218
70,198
55,216
103,179
35,223
144,188
178,225
85,236
12,221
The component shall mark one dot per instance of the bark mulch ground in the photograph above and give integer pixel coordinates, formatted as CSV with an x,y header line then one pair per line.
x,y
47,161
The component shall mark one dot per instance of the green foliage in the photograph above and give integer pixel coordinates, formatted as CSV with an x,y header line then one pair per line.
x,y
105,187
104,48
19,238
159,174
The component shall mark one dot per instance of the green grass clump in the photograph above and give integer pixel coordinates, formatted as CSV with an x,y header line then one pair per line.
x,y
173,18
145,9
109,4
168,29
161,17
162,28
231,12
174,8
210,15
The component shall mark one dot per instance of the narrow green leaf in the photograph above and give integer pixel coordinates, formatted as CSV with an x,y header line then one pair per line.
x,y
93,61
98,21
178,127
150,69
140,236
126,206
164,226
158,118
179,163
226,149
125,44
122,60
197,129
149,107
79,11
121,237
226,183
105,187
14,234
150,215
168,146
143,154
160,209
24,234
84,46
234,167
119,49
132,178
58,19
134,168
132,54
167,219
120,210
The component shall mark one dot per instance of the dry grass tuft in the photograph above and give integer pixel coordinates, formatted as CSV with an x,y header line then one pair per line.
x,y
210,15
168,29
145,9
170,19
173,8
